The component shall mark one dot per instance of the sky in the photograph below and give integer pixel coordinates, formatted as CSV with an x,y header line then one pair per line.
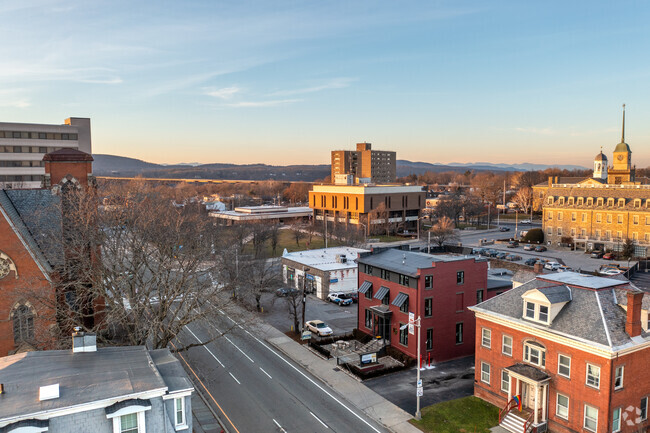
x,y
287,81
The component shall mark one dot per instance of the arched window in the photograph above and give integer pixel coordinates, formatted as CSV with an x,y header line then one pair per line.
x,y
23,320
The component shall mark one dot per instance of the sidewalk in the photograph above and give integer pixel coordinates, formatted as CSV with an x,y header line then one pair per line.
x,y
203,419
371,403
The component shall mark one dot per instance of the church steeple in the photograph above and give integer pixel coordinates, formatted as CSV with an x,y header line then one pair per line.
x,y
623,130
622,172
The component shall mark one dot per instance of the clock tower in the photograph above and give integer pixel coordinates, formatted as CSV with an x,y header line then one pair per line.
x,y
622,171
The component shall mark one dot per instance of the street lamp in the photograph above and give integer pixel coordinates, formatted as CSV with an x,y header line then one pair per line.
x,y
304,298
416,323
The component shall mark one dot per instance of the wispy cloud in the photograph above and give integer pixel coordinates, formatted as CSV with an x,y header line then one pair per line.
x,y
273,103
223,93
336,83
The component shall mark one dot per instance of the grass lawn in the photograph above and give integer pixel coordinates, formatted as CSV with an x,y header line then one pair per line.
x,y
464,415
288,241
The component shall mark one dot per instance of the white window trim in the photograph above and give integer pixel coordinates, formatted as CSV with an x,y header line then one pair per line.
x,y
646,408
541,351
622,367
141,420
620,413
489,372
558,365
584,418
507,391
503,345
557,404
536,312
183,425
489,338
587,376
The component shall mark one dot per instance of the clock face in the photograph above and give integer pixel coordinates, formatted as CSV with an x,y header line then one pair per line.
x,y
620,157
4,268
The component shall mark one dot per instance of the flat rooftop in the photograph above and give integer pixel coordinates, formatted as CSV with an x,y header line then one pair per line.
x,y
582,280
262,212
367,189
408,262
324,259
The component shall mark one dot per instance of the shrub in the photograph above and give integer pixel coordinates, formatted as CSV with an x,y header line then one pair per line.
x,y
534,235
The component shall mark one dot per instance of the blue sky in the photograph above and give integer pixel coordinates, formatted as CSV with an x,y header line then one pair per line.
x,y
285,82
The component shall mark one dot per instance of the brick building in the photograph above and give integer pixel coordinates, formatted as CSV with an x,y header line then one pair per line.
x,y
574,347
437,288
399,207
32,253
364,165
601,211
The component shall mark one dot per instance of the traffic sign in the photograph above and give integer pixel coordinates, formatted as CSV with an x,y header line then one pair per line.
x,y
420,391
411,329
306,335
420,383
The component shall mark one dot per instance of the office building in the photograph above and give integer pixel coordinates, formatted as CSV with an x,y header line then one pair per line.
x,y
23,145
363,165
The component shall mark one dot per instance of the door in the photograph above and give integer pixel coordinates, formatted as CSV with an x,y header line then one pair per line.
x,y
528,395
383,328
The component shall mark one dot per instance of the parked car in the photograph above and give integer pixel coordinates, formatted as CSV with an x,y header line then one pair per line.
x,y
610,272
339,298
354,296
563,268
552,266
513,244
501,256
318,327
540,248
513,257
531,261
504,229
596,254
286,291
609,256
526,222
528,247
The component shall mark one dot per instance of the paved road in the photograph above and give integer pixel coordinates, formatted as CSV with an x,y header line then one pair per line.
x,y
258,389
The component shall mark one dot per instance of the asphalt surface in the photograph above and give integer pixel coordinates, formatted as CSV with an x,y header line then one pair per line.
x,y
258,389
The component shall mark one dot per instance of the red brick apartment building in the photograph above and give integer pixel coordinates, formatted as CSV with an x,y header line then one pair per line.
x,y
575,348
31,252
438,288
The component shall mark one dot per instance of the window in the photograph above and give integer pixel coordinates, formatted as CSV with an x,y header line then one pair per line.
x,y
179,407
369,269
570,201
599,218
559,216
562,406
386,298
621,202
609,218
23,323
644,408
428,307
479,296
429,339
591,418
368,319
460,277
618,377
535,353
428,282
584,217
593,376
506,347
485,372
403,280
403,335
385,275
129,423
505,382
550,215
590,201
404,308
369,293
620,219
530,310
564,366
486,338
610,202
459,333
559,231
573,216
543,313
616,420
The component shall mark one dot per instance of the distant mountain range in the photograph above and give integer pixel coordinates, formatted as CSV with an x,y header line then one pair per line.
x,y
120,166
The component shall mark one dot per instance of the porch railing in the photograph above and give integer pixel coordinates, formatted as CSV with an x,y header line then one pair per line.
x,y
507,408
528,425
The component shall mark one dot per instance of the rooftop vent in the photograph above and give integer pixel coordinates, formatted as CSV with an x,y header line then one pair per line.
x,y
49,392
83,341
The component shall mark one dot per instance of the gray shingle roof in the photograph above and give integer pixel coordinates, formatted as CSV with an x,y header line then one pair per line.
x,y
556,294
590,315
529,371
406,262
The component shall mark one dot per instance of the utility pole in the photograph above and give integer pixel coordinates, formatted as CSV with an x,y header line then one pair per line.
x,y
416,322
488,225
304,298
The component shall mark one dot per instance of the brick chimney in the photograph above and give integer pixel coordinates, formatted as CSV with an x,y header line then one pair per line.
x,y
633,322
68,164
538,268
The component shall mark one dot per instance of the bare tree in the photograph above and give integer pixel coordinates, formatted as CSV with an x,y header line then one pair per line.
x,y
298,233
378,220
524,199
443,231
274,237
260,276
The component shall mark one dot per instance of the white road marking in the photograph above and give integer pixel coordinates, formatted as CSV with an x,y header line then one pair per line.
x,y
266,373
238,382
221,311
243,353
279,426
319,420
205,347
228,317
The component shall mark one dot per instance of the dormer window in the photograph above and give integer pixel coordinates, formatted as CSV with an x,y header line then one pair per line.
x,y
537,312
561,201
543,313
570,201
581,201
590,201
530,310
621,202
538,303
610,202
